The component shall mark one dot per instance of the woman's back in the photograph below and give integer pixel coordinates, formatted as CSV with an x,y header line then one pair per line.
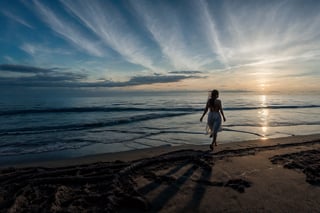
x,y
214,105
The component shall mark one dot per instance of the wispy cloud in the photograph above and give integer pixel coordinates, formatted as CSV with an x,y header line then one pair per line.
x,y
163,23
68,31
17,19
146,42
8,59
271,61
272,32
111,27
34,49
211,31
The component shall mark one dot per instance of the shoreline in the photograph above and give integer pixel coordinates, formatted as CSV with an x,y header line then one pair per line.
x,y
137,154
276,175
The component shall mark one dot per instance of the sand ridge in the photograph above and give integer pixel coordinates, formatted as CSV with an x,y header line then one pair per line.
x,y
265,178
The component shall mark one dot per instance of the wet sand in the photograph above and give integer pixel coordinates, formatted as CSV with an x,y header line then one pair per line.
x,y
275,175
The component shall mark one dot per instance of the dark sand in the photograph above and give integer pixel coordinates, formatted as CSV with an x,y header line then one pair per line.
x,y
275,175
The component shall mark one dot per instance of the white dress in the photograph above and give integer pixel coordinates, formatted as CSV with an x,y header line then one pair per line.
x,y
214,122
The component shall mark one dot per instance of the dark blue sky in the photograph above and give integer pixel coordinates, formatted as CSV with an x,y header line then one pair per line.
x,y
188,44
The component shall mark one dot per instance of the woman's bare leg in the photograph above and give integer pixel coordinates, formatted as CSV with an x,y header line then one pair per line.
x,y
214,141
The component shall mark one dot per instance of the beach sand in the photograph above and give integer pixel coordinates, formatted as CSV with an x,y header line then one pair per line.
x,y
274,175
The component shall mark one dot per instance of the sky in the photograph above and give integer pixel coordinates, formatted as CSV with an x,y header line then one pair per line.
x,y
230,45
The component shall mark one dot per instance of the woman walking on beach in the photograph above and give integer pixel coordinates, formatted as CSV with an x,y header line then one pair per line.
x,y
214,117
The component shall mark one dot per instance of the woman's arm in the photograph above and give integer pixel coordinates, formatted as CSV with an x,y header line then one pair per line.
x,y
221,111
205,111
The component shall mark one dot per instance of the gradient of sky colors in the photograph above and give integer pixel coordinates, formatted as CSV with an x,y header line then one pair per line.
x,y
254,45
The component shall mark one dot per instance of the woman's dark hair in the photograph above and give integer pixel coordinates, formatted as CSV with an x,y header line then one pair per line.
x,y
214,96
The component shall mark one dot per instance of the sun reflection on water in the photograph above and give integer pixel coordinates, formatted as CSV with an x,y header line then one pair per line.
x,y
263,99
263,114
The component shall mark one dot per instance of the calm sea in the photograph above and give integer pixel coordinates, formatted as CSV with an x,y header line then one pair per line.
x,y
63,127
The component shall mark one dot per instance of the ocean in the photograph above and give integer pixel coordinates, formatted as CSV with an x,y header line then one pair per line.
x,y
44,128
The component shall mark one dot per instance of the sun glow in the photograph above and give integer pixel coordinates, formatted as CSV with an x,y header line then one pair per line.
x,y
263,79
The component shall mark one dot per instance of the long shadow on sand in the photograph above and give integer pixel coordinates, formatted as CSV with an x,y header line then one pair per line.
x,y
170,191
156,180
198,192
114,186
